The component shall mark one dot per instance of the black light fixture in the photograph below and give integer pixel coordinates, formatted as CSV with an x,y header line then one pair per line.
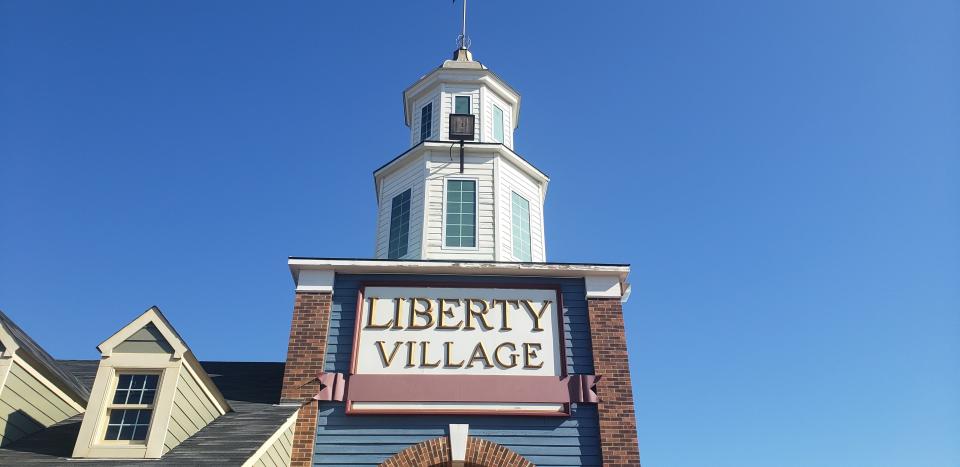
x,y
461,129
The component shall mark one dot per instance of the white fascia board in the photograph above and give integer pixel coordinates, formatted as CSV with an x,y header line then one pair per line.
x,y
500,149
609,273
315,280
603,286
460,76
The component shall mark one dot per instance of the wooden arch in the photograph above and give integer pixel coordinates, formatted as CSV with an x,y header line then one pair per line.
x,y
436,453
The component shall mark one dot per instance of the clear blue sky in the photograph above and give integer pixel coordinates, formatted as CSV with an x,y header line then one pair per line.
x,y
784,178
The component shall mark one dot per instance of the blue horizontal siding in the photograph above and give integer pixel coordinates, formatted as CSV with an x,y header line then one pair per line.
x,y
369,440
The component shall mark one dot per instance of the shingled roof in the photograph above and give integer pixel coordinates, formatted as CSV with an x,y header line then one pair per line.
x,y
251,388
48,365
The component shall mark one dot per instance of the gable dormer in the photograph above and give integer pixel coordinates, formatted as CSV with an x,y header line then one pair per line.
x,y
150,393
35,391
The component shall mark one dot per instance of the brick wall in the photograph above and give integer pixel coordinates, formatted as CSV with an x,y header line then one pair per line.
x,y
305,354
618,425
436,452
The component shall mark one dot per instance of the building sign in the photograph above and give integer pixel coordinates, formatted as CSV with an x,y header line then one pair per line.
x,y
437,348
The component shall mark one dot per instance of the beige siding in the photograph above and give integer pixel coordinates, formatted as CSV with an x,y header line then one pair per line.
x,y
192,410
278,454
511,179
410,176
478,167
27,405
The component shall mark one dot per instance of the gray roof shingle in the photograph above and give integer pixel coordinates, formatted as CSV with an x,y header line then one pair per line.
x,y
48,365
251,388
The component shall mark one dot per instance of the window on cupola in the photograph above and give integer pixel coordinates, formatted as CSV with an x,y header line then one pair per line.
x,y
461,225
399,225
521,228
426,122
497,124
462,105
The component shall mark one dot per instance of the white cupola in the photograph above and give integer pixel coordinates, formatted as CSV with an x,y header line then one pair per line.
x,y
428,208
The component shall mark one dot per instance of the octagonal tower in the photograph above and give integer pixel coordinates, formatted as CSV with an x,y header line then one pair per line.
x,y
428,208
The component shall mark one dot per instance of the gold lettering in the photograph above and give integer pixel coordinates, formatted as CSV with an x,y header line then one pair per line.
x,y
372,307
410,345
396,312
383,354
512,355
481,314
479,353
423,357
528,352
504,312
447,357
427,312
537,316
443,311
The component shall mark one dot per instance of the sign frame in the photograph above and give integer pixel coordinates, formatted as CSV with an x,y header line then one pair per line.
x,y
495,379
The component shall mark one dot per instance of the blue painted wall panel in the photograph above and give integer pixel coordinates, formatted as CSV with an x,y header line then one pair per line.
x,y
370,439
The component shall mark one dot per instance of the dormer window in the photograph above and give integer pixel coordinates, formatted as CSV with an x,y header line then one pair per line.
x,y
150,394
128,417
426,122
461,105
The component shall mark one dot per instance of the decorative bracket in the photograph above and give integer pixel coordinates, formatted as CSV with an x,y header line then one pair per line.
x,y
458,388
333,387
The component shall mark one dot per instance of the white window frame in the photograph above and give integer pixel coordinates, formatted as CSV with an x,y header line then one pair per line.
x,y
90,442
476,215
109,406
409,217
453,102
530,227
503,125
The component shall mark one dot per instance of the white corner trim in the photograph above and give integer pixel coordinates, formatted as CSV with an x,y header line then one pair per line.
x,y
310,280
203,380
5,364
48,384
458,441
152,315
9,344
603,286
252,460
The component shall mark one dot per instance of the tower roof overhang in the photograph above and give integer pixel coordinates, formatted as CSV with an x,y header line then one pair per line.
x,y
601,280
456,72
471,147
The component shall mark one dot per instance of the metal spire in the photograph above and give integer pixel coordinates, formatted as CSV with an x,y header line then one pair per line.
x,y
463,41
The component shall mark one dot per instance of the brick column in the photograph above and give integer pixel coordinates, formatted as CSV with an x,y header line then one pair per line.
x,y
305,355
618,424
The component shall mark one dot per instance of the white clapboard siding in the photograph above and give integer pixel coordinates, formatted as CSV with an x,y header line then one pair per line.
x,y
512,179
479,167
492,100
449,91
409,176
